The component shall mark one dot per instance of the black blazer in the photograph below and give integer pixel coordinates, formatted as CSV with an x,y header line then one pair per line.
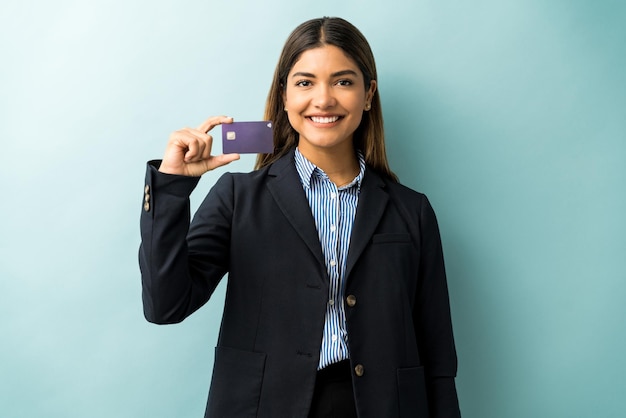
x,y
258,228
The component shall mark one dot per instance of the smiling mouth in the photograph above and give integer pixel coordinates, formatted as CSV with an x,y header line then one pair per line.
x,y
324,119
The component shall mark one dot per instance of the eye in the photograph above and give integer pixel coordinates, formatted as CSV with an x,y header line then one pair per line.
x,y
345,82
303,83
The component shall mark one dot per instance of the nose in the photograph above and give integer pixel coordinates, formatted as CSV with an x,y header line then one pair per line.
x,y
324,97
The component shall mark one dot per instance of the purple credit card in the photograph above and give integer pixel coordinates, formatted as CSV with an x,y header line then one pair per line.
x,y
247,138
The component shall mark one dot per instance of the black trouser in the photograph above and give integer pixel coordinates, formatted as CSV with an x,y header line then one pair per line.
x,y
333,396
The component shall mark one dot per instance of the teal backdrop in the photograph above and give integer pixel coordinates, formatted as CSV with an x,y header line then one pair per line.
x,y
509,115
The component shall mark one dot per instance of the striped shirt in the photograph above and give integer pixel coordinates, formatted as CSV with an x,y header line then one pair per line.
x,y
333,209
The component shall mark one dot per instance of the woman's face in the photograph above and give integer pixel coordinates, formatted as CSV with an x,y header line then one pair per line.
x,y
325,97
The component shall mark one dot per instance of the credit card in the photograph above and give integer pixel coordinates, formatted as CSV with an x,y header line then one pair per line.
x,y
247,137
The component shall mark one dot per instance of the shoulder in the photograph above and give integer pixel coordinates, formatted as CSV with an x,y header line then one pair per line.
x,y
284,166
235,183
416,210
404,191
398,191
243,177
414,206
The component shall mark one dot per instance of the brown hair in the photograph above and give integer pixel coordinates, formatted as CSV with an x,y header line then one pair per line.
x,y
369,137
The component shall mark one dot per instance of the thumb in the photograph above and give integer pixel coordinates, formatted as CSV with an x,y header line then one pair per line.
x,y
220,160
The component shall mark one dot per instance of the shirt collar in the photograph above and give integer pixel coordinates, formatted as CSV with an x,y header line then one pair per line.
x,y
306,169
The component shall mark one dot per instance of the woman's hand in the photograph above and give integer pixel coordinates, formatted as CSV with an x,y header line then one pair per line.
x,y
188,151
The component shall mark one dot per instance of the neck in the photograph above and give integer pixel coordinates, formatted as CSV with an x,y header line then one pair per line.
x,y
340,167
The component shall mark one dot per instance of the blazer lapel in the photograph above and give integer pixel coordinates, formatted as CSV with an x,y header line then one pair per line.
x,y
287,191
372,202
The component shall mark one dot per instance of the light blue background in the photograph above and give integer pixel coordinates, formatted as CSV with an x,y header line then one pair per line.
x,y
509,115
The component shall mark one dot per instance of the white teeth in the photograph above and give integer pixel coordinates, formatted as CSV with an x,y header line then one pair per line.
x,y
329,119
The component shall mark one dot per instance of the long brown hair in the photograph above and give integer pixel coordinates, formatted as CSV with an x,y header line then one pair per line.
x,y
369,137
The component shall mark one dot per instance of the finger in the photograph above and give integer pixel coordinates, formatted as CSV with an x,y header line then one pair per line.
x,y
200,136
206,151
178,144
213,121
198,145
192,150
177,147
220,160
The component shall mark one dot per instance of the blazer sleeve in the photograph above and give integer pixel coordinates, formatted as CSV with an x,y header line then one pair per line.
x,y
433,320
179,274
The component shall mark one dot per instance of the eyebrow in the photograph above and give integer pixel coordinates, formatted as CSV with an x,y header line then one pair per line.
x,y
337,74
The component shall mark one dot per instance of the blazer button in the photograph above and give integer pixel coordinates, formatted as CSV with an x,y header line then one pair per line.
x,y
146,189
351,300
359,370
146,207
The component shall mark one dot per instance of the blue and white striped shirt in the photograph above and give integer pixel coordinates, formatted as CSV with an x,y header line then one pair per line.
x,y
333,209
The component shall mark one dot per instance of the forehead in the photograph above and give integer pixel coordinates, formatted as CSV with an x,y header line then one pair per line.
x,y
324,58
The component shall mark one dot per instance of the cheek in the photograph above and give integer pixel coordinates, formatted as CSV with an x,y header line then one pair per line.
x,y
294,120
358,102
293,101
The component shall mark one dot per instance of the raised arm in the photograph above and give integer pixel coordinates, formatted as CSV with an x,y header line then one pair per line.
x,y
175,283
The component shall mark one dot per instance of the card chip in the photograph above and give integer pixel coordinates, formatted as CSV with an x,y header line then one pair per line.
x,y
230,135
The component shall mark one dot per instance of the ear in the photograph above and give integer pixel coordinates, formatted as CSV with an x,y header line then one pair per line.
x,y
370,92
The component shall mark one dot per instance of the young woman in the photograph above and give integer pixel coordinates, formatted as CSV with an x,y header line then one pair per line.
x,y
336,301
